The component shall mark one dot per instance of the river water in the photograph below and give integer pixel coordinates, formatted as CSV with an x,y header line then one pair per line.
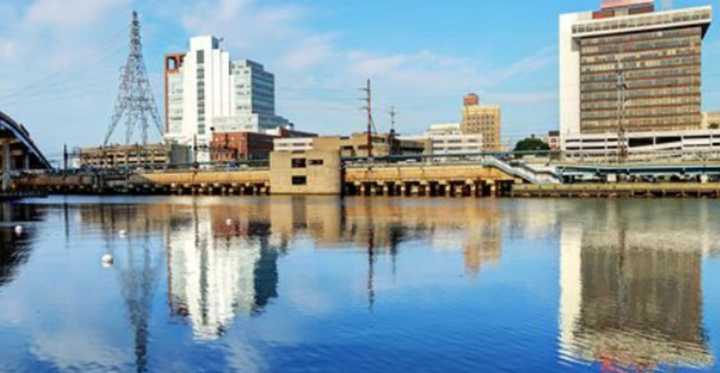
x,y
297,284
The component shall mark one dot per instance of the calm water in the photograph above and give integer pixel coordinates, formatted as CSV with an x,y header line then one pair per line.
x,y
360,285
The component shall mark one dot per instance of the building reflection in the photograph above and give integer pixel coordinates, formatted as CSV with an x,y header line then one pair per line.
x,y
220,265
632,300
15,249
222,255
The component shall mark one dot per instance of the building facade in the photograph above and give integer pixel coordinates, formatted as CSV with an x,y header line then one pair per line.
x,y
206,92
627,67
355,145
484,120
131,156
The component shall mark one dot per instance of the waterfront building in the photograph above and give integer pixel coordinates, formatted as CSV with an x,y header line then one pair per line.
x,y
446,138
131,156
631,67
206,92
481,119
355,145
645,145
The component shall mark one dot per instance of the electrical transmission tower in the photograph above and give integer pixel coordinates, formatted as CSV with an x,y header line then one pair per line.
x,y
135,101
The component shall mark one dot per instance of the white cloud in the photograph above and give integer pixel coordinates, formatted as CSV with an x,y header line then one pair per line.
x,y
8,49
309,53
70,13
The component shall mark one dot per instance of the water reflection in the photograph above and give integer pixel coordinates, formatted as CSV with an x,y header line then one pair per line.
x,y
630,280
14,248
631,297
219,267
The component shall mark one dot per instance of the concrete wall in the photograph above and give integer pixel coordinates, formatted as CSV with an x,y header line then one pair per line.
x,y
321,172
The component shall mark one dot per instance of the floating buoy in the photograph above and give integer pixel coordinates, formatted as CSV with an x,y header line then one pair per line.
x,y
18,230
228,222
122,233
107,260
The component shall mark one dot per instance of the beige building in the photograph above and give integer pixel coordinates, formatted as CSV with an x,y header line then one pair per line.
x,y
481,119
711,120
305,172
118,156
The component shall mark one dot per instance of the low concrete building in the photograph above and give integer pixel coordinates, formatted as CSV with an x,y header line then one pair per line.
x,y
130,156
305,172
449,143
355,145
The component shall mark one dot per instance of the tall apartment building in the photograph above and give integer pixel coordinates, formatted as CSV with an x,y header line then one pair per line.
x,y
628,66
481,119
206,92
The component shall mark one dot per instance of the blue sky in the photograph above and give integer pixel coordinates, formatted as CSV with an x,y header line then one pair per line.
x,y
61,58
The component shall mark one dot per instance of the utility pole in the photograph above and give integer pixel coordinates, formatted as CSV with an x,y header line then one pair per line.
x,y
621,87
392,119
368,109
65,157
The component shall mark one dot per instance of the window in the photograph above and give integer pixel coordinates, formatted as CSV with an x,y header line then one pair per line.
x,y
316,162
200,57
298,163
299,180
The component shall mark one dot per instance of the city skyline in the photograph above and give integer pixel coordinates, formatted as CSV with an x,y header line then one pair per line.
x,y
319,55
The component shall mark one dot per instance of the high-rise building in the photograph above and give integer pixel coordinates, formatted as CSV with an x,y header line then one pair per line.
x,y
206,92
629,68
481,119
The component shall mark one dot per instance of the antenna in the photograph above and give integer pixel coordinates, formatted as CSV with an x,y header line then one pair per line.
x,y
135,101
368,109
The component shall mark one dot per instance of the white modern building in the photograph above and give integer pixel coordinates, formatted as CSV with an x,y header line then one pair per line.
x,y
205,91
655,55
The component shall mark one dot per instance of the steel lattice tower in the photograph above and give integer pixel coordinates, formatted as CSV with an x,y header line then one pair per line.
x,y
135,101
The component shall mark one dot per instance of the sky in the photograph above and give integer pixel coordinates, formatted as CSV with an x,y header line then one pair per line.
x,y
61,59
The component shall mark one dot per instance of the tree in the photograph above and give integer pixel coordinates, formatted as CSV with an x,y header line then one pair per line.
x,y
530,144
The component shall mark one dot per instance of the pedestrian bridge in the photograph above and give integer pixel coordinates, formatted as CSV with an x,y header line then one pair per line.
x,y
18,152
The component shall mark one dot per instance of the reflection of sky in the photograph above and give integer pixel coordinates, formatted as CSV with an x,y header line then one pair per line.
x,y
426,309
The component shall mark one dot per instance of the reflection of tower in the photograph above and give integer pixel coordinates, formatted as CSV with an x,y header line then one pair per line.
x,y
138,278
630,304
214,277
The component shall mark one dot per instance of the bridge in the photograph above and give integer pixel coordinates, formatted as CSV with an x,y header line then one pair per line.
x,y
18,152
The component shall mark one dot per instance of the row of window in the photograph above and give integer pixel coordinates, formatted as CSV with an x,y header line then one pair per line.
x,y
655,121
626,59
641,84
640,36
664,101
651,20
642,46
643,74
641,112
642,93
685,60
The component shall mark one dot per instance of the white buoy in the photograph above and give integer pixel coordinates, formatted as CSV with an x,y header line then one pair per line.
x,y
122,233
228,222
18,230
107,260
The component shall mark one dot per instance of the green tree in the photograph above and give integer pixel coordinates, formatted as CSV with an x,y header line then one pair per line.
x,y
530,144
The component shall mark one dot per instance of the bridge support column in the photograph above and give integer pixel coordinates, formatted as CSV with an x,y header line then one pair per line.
x,y
6,166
